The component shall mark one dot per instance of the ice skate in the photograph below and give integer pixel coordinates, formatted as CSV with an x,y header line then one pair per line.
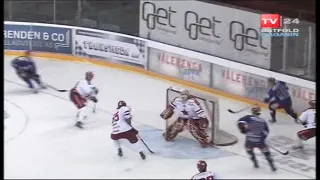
x,y
120,154
79,125
143,156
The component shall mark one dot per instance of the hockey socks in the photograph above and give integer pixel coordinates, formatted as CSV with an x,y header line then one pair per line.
x,y
136,145
81,115
253,158
270,160
291,113
273,115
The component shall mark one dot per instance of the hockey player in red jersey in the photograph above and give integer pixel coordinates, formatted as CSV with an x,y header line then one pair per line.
x,y
203,173
122,129
308,120
191,115
80,94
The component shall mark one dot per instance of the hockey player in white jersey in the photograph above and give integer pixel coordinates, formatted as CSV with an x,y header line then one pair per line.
x,y
191,115
122,129
203,173
308,120
80,94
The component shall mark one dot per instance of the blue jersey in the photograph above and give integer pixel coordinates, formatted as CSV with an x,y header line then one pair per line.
x,y
257,128
24,63
279,92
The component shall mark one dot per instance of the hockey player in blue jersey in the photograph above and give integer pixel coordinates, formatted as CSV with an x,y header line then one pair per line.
x,y
256,130
26,70
279,98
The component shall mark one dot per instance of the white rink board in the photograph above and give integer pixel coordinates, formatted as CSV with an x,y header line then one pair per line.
x,y
49,147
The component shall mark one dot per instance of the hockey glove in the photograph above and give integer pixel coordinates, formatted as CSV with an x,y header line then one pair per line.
x,y
94,99
96,90
135,131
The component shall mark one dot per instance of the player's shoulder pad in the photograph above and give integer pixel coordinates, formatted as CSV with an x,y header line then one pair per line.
x,y
193,101
245,118
308,110
125,109
282,82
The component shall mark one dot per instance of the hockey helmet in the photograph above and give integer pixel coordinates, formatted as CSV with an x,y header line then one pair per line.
x,y
121,104
312,103
271,81
256,110
89,75
202,166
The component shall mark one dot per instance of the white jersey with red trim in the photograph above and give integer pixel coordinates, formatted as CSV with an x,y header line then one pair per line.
x,y
208,175
85,89
189,109
119,120
308,117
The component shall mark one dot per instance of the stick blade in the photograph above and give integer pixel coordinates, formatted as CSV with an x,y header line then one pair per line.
x,y
230,111
285,153
62,90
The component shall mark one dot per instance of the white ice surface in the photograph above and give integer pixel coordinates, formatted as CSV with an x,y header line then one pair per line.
x,y
50,147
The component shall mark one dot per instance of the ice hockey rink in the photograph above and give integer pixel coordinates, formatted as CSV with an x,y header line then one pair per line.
x,y
41,141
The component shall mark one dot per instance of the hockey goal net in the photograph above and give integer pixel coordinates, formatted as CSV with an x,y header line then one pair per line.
x,y
210,104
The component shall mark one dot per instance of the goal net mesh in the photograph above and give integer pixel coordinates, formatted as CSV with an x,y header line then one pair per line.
x,y
210,104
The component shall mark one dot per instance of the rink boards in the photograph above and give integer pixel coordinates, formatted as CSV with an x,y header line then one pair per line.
x,y
114,86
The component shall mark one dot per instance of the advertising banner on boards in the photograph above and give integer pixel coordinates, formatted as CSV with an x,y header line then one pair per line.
x,y
217,30
179,66
38,38
255,87
110,47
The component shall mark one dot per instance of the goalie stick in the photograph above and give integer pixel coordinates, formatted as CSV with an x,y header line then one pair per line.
x,y
240,110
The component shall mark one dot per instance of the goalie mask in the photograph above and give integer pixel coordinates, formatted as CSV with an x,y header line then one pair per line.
x,y
202,166
184,94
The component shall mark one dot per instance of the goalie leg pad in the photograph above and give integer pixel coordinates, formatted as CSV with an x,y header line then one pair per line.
x,y
174,129
203,124
198,133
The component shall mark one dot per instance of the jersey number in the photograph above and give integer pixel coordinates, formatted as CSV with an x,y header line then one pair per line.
x,y
115,117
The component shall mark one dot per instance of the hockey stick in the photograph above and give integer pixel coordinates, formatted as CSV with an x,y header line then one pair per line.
x,y
145,145
281,152
56,89
240,110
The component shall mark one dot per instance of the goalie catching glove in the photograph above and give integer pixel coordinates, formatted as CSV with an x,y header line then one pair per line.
x,y
167,113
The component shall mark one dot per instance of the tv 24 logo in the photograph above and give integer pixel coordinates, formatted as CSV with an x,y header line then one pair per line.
x,y
274,21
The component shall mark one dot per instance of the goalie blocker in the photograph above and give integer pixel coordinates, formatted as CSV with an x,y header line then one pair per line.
x,y
197,114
